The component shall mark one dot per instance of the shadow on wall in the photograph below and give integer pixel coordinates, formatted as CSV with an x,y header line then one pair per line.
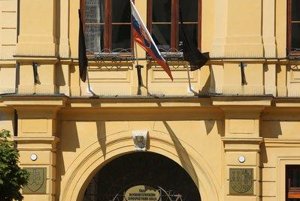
x,y
60,80
182,154
210,124
101,135
69,142
270,129
101,131
209,85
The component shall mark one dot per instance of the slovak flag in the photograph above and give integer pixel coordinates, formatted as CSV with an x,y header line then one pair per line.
x,y
142,36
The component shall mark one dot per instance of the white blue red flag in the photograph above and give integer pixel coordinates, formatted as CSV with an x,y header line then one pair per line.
x,y
142,36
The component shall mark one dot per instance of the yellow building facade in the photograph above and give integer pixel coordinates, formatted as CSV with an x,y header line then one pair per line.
x,y
228,141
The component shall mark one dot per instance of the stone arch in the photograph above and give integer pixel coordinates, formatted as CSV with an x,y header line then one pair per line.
x,y
91,160
142,170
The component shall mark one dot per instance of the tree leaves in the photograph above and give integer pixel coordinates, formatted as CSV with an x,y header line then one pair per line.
x,y
12,177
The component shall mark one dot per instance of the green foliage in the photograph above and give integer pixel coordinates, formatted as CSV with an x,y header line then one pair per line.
x,y
12,177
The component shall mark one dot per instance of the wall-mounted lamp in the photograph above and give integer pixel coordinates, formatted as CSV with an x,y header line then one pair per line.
x,y
242,159
33,157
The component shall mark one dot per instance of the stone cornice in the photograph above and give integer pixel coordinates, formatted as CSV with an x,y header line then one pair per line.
x,y
224,102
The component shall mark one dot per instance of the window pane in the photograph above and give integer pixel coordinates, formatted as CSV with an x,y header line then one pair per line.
x,y
295,36
94,11
121,37
295,10
189,10
94,38
191,34
161,10
161,36
294,175
121,11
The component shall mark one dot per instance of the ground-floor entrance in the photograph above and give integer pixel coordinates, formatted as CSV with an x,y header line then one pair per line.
x,y
142,176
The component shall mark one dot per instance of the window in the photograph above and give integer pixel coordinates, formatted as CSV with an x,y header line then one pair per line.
x,y
107,25
293,183
293,29
164,23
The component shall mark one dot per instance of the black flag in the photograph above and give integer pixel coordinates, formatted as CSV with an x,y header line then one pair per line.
x,y
191,53
83,61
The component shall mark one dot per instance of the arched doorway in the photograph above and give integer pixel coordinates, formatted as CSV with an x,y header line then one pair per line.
x,y
142,176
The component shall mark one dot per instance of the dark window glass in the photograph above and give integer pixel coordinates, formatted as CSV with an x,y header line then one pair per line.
x,y
161,10
295,36
295,10
293,25
294,175
121,11
121,37
189,10
293,183
161,36
161,24
191,33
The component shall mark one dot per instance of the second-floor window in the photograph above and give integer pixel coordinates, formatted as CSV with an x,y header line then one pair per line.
x,y
293,29
164,22
107,25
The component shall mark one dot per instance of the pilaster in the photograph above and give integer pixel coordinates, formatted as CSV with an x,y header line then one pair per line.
x,y
37,33
242,151
269,28
37,140
8,28
238,29
64,43
242,146
220,28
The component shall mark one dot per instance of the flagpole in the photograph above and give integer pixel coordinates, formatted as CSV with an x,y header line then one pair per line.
x,y
190,85
144,38
89,85
138,69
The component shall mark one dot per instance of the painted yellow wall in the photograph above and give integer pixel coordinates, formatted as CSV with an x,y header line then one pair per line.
x,y
74,135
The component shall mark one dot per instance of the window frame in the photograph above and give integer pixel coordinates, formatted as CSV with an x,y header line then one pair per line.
x,y
108,25
290,52
175,21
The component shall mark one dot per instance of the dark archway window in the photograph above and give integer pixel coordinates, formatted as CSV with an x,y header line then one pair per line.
x,y
293,29
142,168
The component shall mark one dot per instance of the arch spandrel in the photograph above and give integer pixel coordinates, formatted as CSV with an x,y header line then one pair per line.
x,y
92,159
